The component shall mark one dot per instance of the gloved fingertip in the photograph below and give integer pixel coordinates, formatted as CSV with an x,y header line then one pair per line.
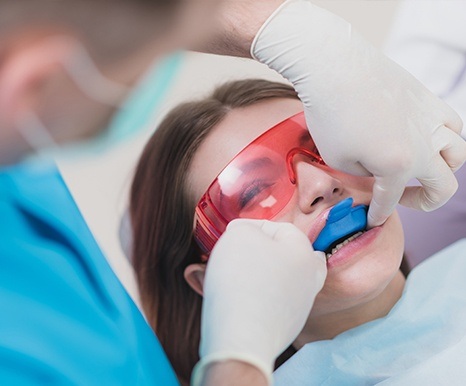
x,y
374,221
242,222
321,256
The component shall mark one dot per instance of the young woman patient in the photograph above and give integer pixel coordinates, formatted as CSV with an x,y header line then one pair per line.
x,y
179,208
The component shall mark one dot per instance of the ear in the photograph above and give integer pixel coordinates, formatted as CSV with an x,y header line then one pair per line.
x,y
194,275
24,68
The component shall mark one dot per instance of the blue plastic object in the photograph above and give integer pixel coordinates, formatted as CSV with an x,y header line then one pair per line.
x,y
343,220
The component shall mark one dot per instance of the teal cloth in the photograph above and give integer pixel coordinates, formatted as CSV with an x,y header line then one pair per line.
x,y
422,341
65,317
136,114
144,102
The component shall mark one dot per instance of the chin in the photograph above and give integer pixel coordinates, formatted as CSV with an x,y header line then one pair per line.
x,y
367,272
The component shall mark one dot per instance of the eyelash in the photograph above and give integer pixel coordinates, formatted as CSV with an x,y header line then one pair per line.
x,y
252,190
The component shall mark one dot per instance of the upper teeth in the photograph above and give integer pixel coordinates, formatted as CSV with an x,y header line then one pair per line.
x,y
342,244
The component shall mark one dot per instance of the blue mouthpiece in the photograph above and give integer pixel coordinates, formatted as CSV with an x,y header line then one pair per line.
x,y
343,221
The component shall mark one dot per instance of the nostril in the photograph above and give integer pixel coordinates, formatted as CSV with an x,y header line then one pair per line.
x,y
317,200
336,190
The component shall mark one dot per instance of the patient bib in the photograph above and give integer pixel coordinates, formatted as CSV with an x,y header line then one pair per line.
x,y
422,341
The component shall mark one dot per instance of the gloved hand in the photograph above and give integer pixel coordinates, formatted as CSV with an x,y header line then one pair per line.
x,y
366,114
260,284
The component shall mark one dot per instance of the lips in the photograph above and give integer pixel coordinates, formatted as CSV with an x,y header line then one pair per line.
x,y
337,245
353,248
318,225
337,223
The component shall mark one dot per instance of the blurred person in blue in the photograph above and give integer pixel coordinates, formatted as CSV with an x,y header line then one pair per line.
x,y
66,71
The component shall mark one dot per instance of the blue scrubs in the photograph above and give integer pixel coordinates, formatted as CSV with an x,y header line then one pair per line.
x,y
65,317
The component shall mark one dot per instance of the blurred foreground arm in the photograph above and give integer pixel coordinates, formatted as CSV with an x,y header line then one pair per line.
x,y
260,284
233,373
367,115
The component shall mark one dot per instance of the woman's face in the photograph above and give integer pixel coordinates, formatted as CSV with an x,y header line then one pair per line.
x,y
360,270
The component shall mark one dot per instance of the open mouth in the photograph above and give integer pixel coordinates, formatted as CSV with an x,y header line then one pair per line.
x,y
344,223
340,243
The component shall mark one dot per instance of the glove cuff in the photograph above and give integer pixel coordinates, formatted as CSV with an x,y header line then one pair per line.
x,y
299,23
265,25
199,369
307,45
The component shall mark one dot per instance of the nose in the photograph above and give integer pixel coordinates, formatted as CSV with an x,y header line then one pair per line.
x,y
316,186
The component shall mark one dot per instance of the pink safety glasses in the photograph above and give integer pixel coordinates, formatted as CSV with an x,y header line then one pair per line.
x,y
257,183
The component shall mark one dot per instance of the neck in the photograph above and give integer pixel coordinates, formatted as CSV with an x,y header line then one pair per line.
x,y
330,325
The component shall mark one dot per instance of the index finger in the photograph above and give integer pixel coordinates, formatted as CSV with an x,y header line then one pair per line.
x,y
387,192
437,188
285,232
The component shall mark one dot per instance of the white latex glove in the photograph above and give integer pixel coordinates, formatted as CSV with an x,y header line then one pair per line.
x,y
366,113
260,284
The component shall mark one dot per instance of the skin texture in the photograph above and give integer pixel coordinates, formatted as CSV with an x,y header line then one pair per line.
x,y
47,88
233,373
234,31
213,26
364,281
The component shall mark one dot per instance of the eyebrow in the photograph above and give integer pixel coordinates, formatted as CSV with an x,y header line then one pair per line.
x,y
256,164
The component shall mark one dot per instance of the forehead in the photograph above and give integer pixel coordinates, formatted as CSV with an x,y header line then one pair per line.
x,y
239,128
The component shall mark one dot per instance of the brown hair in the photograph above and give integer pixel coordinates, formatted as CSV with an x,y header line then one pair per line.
x,y
162,216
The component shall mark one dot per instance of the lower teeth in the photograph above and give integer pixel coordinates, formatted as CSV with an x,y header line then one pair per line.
x,y
342,244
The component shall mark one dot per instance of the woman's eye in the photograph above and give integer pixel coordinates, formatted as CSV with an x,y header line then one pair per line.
x,y
253,193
